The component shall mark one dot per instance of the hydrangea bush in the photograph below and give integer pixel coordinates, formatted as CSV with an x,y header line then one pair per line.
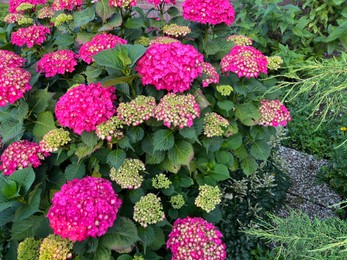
x,y
118,124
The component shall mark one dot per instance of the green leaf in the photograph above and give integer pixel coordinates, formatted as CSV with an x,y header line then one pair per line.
x,y
249,166
25,228
116,81
135,195
11,129
108,58
135,134
260,150
24,179
102,253
92,72
163,140
125,144
125,257
173,11
104,10
224,157
116,158
82,17
225,105
169,166
75,170
214,216
43,124
21,111
147,235
220,173
234,141
115,21
26,210
10,190
39,100
135,23
182,153
83,37
123,235
159,238
64,40
136,51
89,138
189,133
155,158
248,114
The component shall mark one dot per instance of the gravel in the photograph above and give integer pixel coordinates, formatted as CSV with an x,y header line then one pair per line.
x,y
306,194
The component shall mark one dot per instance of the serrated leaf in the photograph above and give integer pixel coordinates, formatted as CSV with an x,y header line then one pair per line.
x,y
135,23
104,10
155,158
163,140
108,58
135,134
159,238
10,190
214,216
135,51
169,166
125,144
135,195
220,173
116,158
82,17
102,253
234,142
248,114
189,133
114,22
89,138
29,209
21,111
181,153
64,40
147,235
83,37
249,166
260,150
24,178
120,80
75,170
225,105
25,228
125,257
11,129
43,124
39,100
121,236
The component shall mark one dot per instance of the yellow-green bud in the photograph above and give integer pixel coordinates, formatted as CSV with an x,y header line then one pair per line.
x,y
274,62
24,7
143,41
177,201
128,175
55,139
29,249
225,90
214,125
25,20
240,40
175,30
138,257
148,210
110,129
55,247
208,197
160,181
62,18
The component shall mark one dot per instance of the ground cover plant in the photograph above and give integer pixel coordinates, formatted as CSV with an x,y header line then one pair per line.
x,y
117,129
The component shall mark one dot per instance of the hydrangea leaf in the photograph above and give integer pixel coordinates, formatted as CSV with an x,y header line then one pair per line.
x,y
181,153
163,140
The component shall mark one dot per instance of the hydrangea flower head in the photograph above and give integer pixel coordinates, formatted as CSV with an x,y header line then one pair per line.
x,y
122,3
84,208
35,34
211,74
148,210
143,41
214,124
177,201
173,66
158,2
245,61
54,139
195,238
160,181
176,110
162,40
273,113
137,111
110,129
84,107
66,4
128,176
57,62
274,62
62,18
24,7
99,43
29,249
55,247
208,197
20,155
240,40
209,11
17,18
175,30
225,90
14,82
10,59
45,12
13,4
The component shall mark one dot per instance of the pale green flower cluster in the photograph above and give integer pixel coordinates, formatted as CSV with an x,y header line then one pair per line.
x,y
138,257
148,210
62,18
274,62
110,129
143,41
55,139
177,201
162,40
160,181
24,7
128,175
175,30
240,40
55,247
208,197
214,125
225,90
25,20
29,249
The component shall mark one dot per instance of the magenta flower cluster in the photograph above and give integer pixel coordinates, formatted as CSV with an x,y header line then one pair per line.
x,y
84,208
274,113
21,154
211,73
66,4
245,61
35,34
195,238
57,62
97,44
10,59
122,3
177,110
172,66
13,4
84,107
14,82
209,11
158,2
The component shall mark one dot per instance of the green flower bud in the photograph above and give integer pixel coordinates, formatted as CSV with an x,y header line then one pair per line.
x,y
138,257
208,197
148,210
25,20
274,62
225,90
55,247
55,139
143,41
160,181
62,18
29,249
240,40
128,175
175,30
177,201
24,7
110,129
214,125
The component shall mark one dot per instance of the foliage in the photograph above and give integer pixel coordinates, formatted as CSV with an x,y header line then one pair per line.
x,y
178,149
299,237
295,31
3,12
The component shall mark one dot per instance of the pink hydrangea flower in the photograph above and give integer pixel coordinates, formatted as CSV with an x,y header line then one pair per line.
x,y
83,107
84,208
274,113
19,155
211,74
57,62
209,11
173,66
35,34
14,82
13,4
66,4
158,2
97,44
177,110
10,59
195,238
122,3
245,61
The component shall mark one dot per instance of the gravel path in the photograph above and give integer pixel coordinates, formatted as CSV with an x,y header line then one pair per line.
x,y
306,194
